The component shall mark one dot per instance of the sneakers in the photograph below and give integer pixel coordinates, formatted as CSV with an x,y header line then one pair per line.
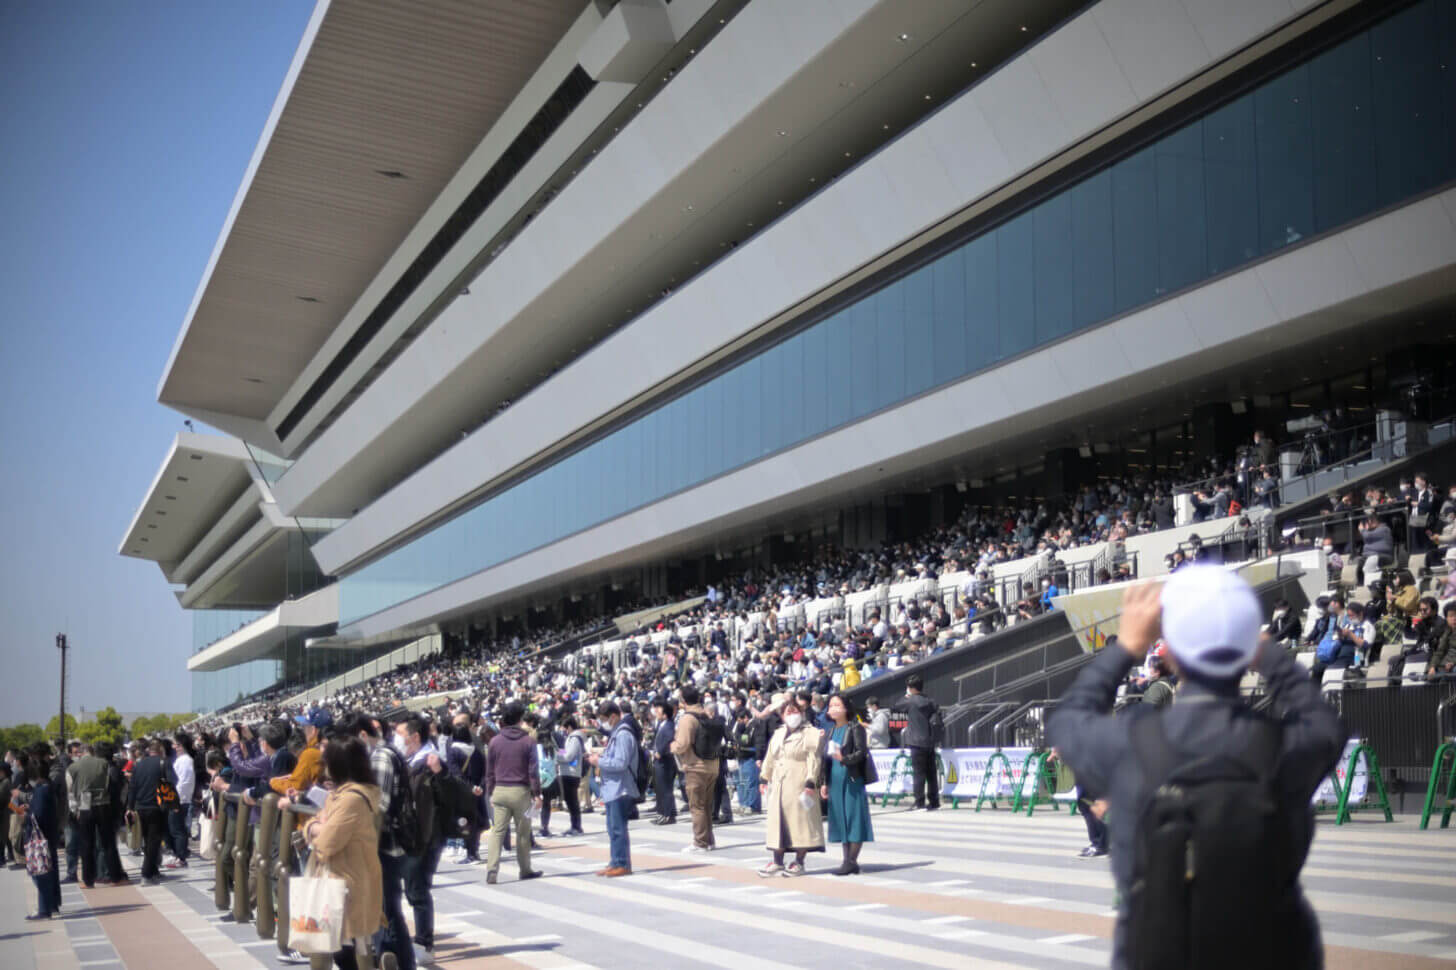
x,y
571,832
175,864
388,961
293,956
424,956
1091,852
665,820
697,850
793,869
772,869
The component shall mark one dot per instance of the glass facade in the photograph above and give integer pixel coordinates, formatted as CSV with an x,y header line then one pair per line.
x,y
212,689
1359,127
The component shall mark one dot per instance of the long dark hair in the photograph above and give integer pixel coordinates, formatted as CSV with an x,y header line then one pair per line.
x,y
851,715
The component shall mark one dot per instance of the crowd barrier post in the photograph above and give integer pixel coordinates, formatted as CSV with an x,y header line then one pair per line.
x,y
1438,765
1372,766
263,877
988,788
221,891
242,862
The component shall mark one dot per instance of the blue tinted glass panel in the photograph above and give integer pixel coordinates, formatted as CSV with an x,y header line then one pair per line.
x,y
1016,284
816,380
889,310
1182,235
1093,294
863,364
918,328
1341,120
1052,223
771,373
791,393
983,333
1135,229
1286,160
1231,186
948,288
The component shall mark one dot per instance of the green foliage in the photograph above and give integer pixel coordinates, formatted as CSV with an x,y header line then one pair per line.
x,y
159,724
53,727
107,727
20,736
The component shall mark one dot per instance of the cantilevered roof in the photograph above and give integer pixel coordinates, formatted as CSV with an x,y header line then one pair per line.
x,y
200,479
264,636
381,105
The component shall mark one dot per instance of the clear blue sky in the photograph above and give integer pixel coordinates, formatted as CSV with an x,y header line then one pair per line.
x,y
124,132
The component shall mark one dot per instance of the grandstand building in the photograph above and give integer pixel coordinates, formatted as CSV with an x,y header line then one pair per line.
x,y
525,311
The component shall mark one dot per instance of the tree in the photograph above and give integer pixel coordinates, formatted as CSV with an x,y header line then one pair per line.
x,y
107,727
20,736
159,724
53,727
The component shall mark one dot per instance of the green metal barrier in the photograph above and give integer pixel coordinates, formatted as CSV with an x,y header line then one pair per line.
x,y
1437,766
224,832
262,865
989,777
1343,807
1046,780
898,768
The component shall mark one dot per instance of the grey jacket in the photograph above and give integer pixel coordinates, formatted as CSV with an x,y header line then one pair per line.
x,y
1098,747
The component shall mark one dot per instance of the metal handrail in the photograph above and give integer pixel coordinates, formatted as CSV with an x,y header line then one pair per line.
x,y
1010,719
997,708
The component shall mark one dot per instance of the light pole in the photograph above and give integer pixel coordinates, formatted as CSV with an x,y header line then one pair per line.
x,y
61,645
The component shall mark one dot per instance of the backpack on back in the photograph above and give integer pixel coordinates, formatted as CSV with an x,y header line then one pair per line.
x,y
402,820
708,738
1208,824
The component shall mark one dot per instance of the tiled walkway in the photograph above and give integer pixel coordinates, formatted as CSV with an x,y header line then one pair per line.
x,y
950,889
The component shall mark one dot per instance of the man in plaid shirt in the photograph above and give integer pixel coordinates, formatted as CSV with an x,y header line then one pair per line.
x,y
388,766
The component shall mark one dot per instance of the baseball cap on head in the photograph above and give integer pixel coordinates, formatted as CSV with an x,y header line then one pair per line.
x,y
319,718
1210,621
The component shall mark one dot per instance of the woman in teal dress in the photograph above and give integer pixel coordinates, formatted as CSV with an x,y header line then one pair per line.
x,y
847,753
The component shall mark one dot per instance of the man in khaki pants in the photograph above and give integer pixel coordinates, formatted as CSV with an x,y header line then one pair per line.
x,y
700,774
513,784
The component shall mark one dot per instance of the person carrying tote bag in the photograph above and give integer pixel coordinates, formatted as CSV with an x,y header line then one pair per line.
x,y
344,839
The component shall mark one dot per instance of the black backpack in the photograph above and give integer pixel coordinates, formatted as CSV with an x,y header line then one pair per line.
x,y
402,821
1214,865
708,739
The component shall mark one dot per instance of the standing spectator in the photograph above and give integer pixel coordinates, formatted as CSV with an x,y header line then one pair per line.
x,y
425,768
513,784
343,838
1423,507
569,761
179,819
699,763
879,729
550,776
92,786
1211,620
617,764
922,715
467,764
748,740
309,768
152,781
664,766
7,786
848,752
792,776
391,777
43,817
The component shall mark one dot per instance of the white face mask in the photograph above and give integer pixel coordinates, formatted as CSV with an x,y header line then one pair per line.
x,y
399,744
793,721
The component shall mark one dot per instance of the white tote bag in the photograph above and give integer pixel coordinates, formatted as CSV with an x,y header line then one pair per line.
x,y
316,912
204,837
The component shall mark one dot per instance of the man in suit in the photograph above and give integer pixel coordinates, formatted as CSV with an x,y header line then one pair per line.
x,y
664,768
920,737
1423,506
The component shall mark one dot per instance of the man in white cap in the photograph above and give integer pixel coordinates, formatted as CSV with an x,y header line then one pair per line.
x,y
1208,801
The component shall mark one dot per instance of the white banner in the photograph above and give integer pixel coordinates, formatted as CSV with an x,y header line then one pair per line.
x,y
962,772
1325,794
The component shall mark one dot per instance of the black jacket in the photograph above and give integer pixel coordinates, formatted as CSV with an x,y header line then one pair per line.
x,y
1098,747
1286,628
749,739
918,710
146,775
855,751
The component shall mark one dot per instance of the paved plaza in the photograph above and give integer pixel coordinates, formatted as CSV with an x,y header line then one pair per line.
x,y
948,889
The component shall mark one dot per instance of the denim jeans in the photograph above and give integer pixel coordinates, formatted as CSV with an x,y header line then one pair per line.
x,y
748,784
395,936
419,880
178,824
617,838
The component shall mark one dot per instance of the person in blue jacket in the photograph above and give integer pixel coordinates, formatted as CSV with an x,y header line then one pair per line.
x,y
618,766
44,818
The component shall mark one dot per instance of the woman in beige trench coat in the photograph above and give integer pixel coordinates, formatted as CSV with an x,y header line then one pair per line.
x,y
792,771
345,839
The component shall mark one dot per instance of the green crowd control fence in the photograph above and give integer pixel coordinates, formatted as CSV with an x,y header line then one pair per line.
x,y
989,790
900,768
1445,761
1046,783
1374,796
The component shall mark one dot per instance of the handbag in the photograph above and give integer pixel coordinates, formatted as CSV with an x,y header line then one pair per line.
x,y
205,836
316,912
37,852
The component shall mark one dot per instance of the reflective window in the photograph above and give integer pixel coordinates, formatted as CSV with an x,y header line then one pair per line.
x,y
1362,126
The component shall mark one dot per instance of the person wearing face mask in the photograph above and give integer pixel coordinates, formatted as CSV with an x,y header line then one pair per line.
x,y
792,774
699,758
722,803
1284,623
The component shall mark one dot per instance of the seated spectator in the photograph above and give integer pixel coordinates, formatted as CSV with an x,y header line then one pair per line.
x,y
1284,624
1426,627
1443,648
1378,547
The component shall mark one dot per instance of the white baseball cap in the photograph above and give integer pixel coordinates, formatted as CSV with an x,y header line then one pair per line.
x,y
1211,621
